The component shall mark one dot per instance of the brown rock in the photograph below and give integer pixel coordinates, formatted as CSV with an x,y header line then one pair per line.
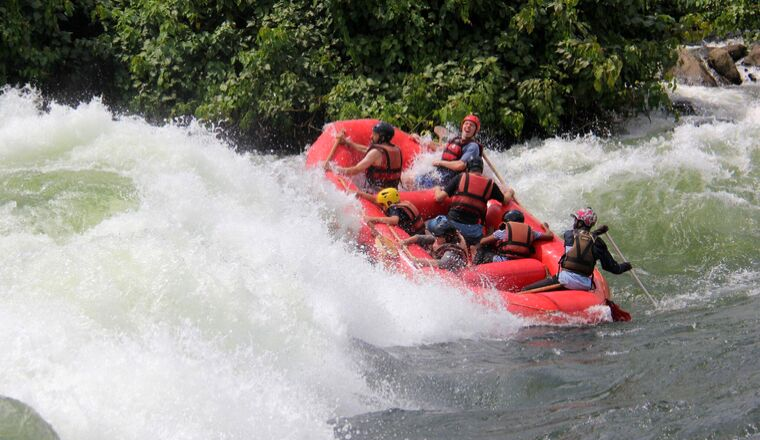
x,y
720,60
690,70
737,51
753,59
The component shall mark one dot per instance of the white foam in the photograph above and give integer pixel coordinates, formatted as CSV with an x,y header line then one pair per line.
x,y
223,303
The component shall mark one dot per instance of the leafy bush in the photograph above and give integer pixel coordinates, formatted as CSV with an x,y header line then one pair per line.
x,y
53,44
276,68
717,18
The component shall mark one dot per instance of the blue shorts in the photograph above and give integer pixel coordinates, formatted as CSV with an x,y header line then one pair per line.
x,y
471,233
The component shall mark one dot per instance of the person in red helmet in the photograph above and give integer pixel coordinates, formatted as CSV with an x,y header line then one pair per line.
x,y
456,153
583,249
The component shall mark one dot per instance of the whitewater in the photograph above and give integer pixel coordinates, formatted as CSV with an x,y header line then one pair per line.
x,y
157,283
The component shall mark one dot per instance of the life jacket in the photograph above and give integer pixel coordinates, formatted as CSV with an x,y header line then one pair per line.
x,y
418,224
388,173
519,240
454,149
580,258
438,253
472,194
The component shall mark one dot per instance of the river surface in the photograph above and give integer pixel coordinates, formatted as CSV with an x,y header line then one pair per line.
x,y
157,284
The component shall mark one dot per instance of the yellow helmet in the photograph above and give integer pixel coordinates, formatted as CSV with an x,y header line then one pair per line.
x,y
388,197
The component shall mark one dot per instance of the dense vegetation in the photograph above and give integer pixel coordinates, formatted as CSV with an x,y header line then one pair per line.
x,y
282,68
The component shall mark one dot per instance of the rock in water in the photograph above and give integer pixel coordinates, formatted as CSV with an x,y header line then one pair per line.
x,y
19,421
753,59
689,70
737,51
720,60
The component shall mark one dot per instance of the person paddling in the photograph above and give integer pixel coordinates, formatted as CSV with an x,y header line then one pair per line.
x,y
446,245
583,249
397,212
470,192
514,240
454,158
382,162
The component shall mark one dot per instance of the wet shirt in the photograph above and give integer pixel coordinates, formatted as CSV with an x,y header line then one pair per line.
x,y
469,151
449,261
404,221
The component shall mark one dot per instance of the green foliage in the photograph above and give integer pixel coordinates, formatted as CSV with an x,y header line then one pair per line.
x,y
700,19
44,39
277,67
250,65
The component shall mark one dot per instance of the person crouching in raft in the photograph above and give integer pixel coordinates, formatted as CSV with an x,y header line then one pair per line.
x,y
397,212
470,192
446,245
582,250
454,157
514,240
382,161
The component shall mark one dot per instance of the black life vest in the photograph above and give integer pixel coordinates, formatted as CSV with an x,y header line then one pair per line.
x,y
580,258
454,149
388,173
472,194
411,211
519,241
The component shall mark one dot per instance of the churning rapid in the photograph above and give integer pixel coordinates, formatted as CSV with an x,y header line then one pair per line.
x,y
155,283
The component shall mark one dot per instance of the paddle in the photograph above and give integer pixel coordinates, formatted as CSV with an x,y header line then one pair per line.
x,y
541,289
403,245
636,277
332,152
441,132
495,171
617,313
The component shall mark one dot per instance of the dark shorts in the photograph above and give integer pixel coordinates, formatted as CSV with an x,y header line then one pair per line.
x,y
471,233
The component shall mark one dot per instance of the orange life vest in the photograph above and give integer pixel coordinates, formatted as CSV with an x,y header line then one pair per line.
x,y
418,224
519,241
580,258
453,150
472,194
388,173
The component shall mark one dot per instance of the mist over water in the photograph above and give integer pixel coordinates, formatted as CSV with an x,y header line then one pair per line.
x,y
154,283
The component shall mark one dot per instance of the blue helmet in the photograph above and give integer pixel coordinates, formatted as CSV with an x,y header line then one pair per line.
x,y
440,226
514,216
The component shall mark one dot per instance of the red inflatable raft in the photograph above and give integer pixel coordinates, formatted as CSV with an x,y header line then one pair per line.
x,y
496,284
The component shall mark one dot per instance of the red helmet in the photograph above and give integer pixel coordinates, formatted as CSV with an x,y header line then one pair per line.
x,y
585,215
472,118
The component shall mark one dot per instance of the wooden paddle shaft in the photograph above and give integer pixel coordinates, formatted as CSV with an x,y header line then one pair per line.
x,y
495,171
542,289
636,277
333,150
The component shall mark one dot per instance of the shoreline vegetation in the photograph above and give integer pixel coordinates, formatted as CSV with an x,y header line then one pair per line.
x,y
271,73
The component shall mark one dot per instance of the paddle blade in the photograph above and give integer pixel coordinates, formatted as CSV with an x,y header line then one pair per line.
x,y
618,314
441,132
